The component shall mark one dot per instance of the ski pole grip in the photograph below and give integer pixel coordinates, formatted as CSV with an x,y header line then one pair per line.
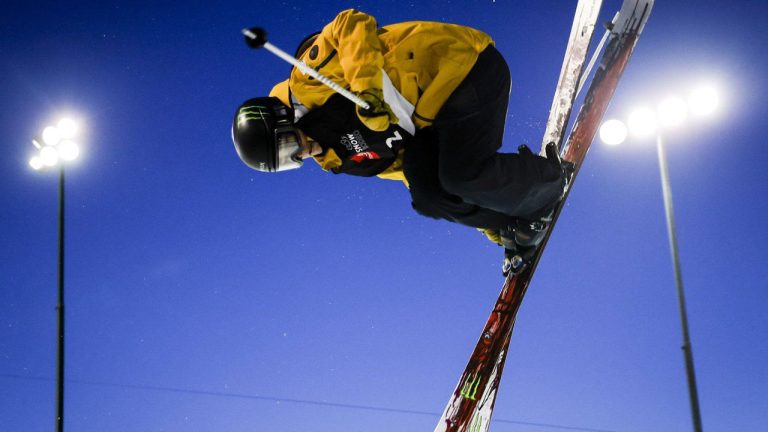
x,y
255,37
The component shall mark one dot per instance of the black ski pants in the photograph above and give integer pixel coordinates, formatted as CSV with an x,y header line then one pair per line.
x,y
454,169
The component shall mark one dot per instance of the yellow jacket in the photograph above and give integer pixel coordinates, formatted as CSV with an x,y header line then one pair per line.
x,y
426,61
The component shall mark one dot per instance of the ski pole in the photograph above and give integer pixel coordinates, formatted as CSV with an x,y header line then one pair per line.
x,y
608,28
257,38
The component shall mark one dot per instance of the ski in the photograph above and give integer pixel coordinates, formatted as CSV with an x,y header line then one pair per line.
x,y
471,405
567,87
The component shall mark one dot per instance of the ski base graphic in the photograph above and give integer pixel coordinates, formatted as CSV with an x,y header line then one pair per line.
x,y
470,407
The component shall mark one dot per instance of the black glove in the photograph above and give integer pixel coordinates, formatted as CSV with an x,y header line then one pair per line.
x,y
379,115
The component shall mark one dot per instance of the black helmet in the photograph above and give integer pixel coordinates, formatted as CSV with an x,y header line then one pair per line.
x,y
264,135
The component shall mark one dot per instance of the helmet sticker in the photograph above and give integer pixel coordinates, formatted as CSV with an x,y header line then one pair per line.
x,y
252,112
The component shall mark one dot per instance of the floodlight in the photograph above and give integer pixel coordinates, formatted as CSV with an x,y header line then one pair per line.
x,y
672,111
49,156
642,122
68,150
51,136
704,100
613,132
36,163
67,127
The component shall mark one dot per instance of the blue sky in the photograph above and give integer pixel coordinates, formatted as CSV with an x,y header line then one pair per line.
x,y
204,296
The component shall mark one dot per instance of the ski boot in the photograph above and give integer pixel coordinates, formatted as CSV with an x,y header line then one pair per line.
x,y
521,242
523,239
568,168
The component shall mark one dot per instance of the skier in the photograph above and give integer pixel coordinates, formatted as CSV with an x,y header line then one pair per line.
x,y
437,96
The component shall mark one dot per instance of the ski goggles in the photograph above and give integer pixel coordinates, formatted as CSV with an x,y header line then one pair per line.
x,y
288,148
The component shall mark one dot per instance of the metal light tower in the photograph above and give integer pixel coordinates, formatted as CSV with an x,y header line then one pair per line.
x,y
58,147
671,112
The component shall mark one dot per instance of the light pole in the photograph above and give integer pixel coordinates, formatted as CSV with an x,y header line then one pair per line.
x,y
58,147
671,112
671,230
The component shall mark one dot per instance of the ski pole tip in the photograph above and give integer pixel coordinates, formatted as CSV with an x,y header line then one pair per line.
x,y
255,37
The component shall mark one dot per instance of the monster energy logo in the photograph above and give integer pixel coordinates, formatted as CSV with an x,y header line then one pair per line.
x,y
469,389
477,424
252,112
354,142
